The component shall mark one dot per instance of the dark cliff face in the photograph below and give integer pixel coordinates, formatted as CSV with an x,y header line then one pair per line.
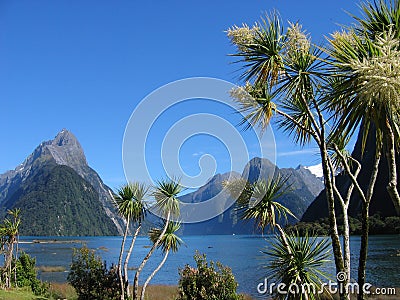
x,y
380,203
297,199
63,150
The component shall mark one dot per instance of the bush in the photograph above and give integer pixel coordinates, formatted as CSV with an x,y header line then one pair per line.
x,y
25,270
206,282
26,275
91,278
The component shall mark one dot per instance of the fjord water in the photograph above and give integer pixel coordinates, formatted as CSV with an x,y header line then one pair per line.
x,y
241,253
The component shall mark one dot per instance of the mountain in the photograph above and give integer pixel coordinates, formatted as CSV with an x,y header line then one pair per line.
x,y
58,193
302,186
380,203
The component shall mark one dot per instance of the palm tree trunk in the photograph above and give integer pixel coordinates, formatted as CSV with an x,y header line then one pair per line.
x,y
8,261
337,249
362,261
139,270
121,253
128,256
16,258
152,275
391,158
346,243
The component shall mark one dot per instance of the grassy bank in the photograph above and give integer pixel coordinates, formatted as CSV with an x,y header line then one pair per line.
x,y
65,291
17,294
154,292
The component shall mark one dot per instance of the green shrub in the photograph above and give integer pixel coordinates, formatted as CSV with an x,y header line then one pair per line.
x,y
26,275
91,278
25,270
209,281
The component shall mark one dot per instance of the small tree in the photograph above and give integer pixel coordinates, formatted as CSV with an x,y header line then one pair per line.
x,y
209,281
170,241
167,204
131,206
91,278
25,267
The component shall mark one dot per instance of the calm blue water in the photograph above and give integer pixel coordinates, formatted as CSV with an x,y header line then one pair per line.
x,y
241,253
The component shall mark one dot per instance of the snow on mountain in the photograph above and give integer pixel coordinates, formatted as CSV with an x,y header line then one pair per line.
x,y
316,170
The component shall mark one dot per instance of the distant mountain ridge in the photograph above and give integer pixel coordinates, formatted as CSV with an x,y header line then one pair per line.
x,y
303,187
60,194
18,185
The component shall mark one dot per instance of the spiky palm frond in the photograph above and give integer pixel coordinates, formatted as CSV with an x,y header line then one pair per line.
x,y
257,201
165,194
301,266
15,213
169,241
298,111
255,104
339,142
130,201
262,206
261,57
379,17
369,89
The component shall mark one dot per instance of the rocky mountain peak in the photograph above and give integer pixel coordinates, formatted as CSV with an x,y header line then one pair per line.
x,y
66,150
259,168
65,137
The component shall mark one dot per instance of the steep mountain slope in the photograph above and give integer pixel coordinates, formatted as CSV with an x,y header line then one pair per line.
x,y
21,187
380,203
57,201
302,186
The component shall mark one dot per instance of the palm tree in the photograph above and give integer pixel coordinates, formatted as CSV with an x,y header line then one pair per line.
x,y
131,206
167,205
169,241
300,267
366,61
285,75
258,202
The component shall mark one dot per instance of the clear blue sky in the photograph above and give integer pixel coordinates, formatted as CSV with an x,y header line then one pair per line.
x,y
85,65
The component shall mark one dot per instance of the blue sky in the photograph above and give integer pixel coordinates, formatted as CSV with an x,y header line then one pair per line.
x,y
85,65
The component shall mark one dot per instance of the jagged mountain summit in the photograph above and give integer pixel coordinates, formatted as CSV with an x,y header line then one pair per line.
x,y
58,192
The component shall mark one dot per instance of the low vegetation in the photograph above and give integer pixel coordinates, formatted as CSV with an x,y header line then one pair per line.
x,y
49,269
208,281
91,278
377,225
